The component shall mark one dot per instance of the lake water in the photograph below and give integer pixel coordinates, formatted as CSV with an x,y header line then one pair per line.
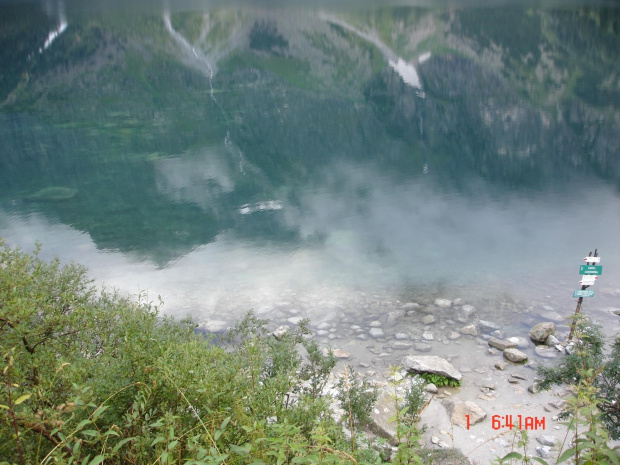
x,y
317,162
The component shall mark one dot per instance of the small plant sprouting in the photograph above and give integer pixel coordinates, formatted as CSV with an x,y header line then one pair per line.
x,y
439,380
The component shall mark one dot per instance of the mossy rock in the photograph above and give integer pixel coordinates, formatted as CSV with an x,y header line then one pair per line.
x,y
443,457
53,194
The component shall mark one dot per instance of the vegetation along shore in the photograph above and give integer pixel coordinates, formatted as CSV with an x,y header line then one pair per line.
x,y
91,377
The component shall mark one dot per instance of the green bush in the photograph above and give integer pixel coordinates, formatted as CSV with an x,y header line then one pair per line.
x,y
89,377
586,358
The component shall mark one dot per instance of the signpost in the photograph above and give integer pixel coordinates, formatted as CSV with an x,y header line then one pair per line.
x,y
589,273
591,269
588,280
585,293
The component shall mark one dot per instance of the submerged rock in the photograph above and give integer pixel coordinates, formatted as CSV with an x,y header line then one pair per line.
x,y
488,326
443,303
470,330
53,194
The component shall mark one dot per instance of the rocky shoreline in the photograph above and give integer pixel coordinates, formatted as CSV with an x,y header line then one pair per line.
x,y
493,353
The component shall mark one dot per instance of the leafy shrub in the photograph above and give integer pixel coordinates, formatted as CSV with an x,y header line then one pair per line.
x,y
90,377
586,358
439,380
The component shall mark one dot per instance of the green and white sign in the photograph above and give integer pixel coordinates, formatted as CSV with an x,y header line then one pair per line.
x,y
585,293
591,269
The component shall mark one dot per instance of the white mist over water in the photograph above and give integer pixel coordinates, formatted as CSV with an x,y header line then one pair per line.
x,y
409,234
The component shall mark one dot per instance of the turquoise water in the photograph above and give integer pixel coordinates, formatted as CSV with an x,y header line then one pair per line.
x,y
239,158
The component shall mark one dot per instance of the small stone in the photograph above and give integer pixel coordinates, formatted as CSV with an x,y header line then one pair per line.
x,y
547,440
453,335
421,347
341,354
518,376
469,330
435,439
515,355
374,324
543,451
295,320
427,336
401,336
551,340
394,317
467,310
464,414
443,303
501,345
410,306
501,442
488,326
401,345
533,389
280,332
431,388
513,381
324,325
521,342
500,365
376,332
545,352
557,404
429,319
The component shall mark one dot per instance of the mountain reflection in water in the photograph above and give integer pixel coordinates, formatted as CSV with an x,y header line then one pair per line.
x,y
225,157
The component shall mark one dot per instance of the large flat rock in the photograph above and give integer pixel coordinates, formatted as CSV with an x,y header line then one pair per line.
x,y
430,364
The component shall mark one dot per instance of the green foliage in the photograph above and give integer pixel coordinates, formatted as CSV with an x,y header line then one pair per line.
x,y
523,441
589,436
439,380
588,357
357,397
408,411
90,377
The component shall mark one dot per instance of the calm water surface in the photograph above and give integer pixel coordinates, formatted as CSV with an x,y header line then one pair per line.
x,y
229,159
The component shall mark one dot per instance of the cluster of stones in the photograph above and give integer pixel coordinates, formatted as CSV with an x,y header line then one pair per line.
x,y
391,327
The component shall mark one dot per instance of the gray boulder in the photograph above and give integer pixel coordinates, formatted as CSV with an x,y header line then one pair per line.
x,y
540,332
515,355
430,364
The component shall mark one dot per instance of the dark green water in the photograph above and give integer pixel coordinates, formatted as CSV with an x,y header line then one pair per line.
x,y
235,158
